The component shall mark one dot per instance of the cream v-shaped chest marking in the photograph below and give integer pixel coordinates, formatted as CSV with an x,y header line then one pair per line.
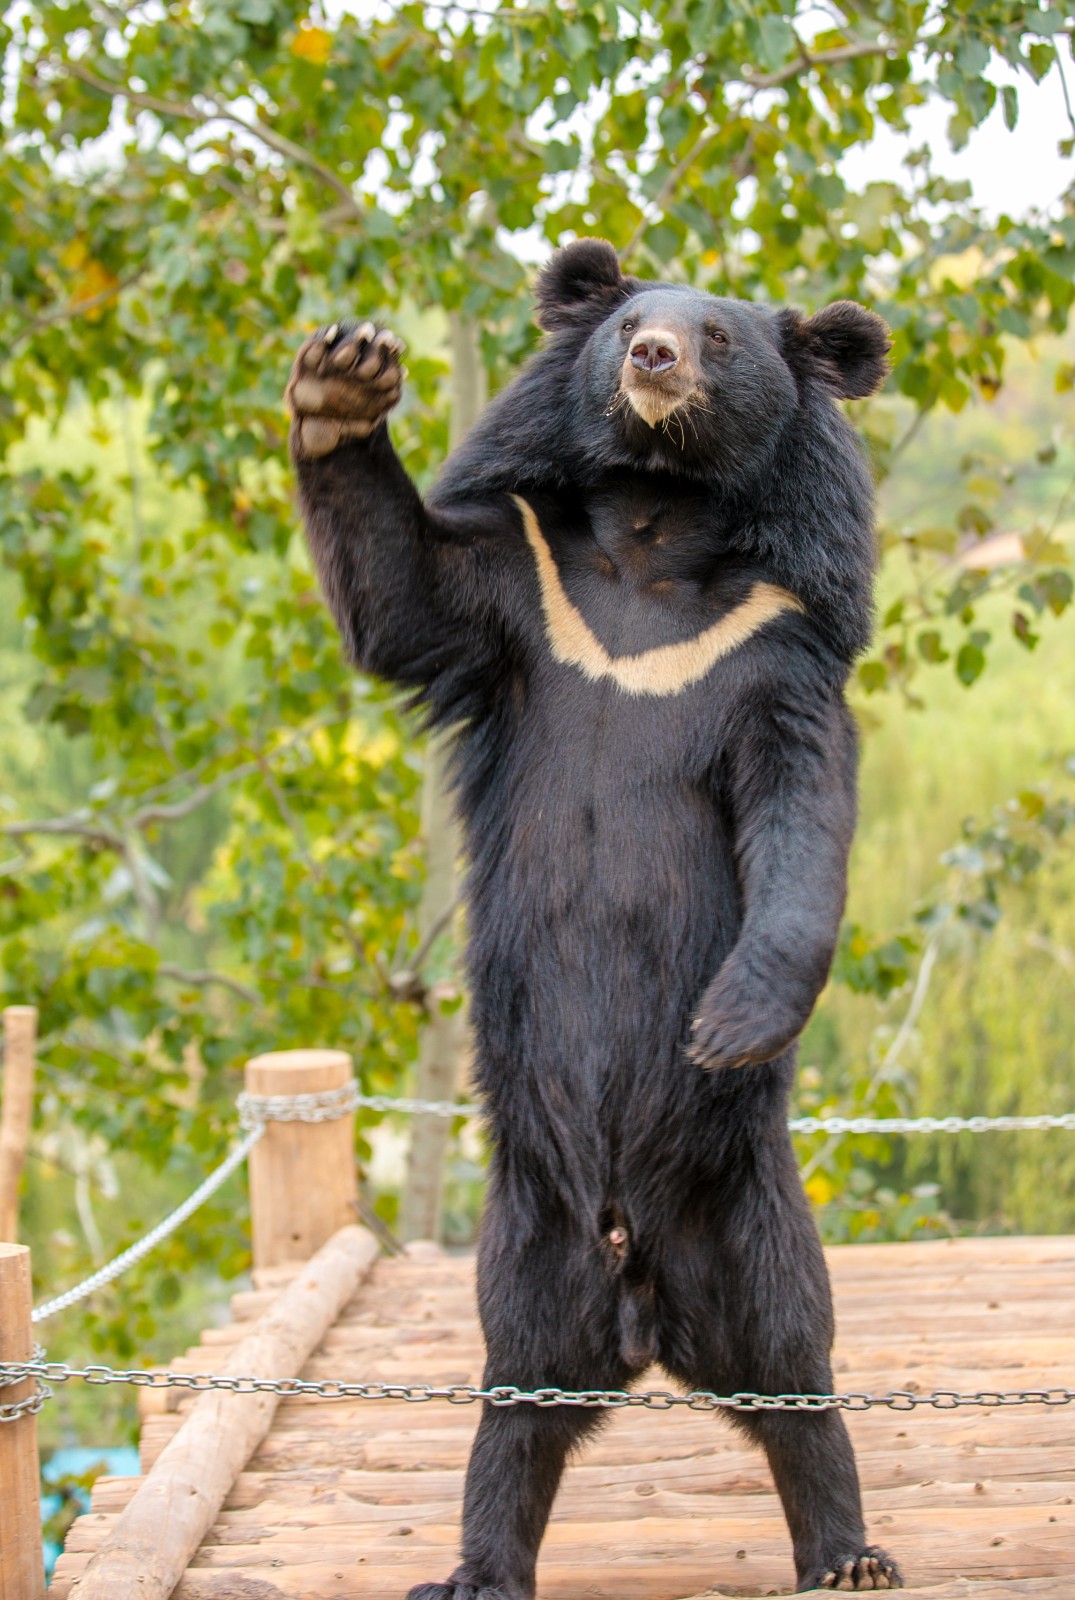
x,y
668,668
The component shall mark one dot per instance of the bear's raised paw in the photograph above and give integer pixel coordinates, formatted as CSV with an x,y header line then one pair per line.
x,y
345,381
870,1569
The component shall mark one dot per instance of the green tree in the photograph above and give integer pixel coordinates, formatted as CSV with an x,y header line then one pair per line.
x,y
223,851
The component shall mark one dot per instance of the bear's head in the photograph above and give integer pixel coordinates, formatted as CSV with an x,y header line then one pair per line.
x,y
674,379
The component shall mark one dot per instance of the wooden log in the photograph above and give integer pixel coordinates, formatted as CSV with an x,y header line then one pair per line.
x,y
22,1568
20,1028
147,1552
1043,1472
335,1522
657,1488
757,1551
345,1580
303,1176
655,1581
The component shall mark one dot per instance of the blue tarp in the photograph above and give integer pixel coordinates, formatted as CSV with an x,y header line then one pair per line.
x,y
74,1463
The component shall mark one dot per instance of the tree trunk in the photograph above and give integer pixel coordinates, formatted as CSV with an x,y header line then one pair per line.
x,y
444,1035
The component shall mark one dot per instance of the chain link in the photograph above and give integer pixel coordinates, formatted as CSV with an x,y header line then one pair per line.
x,y
462,1108
417,1108
931,1124
255,1110
16,1372
509,1394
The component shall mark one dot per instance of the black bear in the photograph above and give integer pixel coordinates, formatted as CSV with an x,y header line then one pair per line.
x,y
635,592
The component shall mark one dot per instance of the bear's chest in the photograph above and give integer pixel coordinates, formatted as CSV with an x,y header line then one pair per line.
x,y
634,601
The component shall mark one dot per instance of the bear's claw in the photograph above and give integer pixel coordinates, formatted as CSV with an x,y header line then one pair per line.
x,y
724,1036
870,1569
345,380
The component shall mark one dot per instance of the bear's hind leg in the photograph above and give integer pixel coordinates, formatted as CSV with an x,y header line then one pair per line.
x,y
768,1330
813,1466
549,1309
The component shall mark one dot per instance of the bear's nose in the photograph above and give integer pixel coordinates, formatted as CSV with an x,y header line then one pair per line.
x,y
655,350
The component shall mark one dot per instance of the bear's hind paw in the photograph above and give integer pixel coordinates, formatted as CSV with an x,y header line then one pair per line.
x,y
870,1569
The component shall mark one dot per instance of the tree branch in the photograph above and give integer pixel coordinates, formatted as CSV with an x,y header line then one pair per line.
x,y
910,433
408,983
188,111
298,833
891,1057
79,825
740,168
1064,85
74,826
78,308
148,815
806,62
204,980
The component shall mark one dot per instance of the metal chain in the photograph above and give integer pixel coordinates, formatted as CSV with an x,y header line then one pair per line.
x,y
463,1108
419,1108
12,1373
255,1110
462,1394
931,1124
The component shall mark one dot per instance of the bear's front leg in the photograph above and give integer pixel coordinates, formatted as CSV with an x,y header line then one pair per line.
x,y
791,788
427,598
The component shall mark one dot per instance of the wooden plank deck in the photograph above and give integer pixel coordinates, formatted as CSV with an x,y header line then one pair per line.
x,y
362,1498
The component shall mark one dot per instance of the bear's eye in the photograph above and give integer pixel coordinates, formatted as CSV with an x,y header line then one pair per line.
x,y
629,326
718,336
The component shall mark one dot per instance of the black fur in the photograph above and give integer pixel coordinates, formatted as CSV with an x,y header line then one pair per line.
x,y
655,882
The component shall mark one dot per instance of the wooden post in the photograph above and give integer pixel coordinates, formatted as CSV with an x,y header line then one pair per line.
x,y
147,1551
22,1567
303,1177
20,1028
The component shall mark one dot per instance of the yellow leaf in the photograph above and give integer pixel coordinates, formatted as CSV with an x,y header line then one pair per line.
x,y
90,281
312,44
73,255
820,1189
382,748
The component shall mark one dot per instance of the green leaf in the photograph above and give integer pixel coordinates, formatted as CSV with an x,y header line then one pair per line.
x,y
930,646
873,676
1010,102
1046,23
1058,589
970,663
776,41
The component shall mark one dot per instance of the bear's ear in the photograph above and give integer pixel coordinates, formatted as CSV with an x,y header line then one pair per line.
x,y
581,279
846,344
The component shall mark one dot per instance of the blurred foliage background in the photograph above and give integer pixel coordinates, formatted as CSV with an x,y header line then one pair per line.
x,y
212,836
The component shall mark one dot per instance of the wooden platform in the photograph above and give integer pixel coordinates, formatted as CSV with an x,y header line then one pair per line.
x,y
363,1498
